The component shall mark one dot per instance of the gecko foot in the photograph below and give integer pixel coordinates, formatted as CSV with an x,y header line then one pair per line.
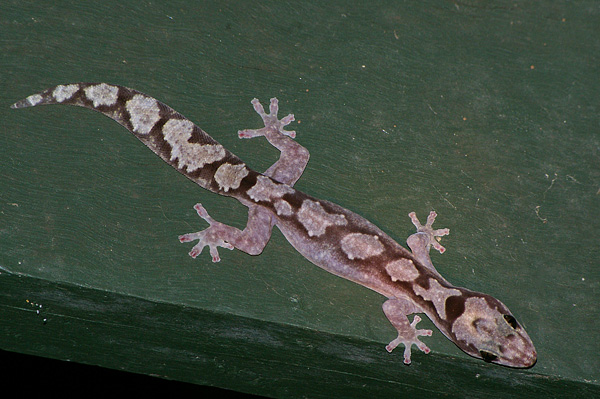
x,y
272,124
432,235
210,237
409,336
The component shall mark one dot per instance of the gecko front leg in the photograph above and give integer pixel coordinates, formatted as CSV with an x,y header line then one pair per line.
x,y
426,237
397,311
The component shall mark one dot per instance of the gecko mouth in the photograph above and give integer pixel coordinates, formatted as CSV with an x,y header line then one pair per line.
x,y
488,356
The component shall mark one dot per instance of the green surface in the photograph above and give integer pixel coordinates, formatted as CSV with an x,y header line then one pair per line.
x,y
266,358
486,113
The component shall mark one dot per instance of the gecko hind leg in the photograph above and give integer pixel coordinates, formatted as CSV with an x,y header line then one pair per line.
x,y
251,240
294,157
397,311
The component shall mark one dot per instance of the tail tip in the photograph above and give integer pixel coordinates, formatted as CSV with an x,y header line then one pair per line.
x,y
30,101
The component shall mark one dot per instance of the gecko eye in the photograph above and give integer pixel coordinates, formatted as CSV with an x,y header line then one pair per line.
x,y
511,321
487,356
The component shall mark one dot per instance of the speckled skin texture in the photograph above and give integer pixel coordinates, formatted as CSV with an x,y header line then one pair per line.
x,y
328,235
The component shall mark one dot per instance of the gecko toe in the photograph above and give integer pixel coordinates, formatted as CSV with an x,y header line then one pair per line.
x,y
433,236
211,236
273,125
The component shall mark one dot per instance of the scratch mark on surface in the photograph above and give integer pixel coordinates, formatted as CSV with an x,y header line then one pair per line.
x,y
537,213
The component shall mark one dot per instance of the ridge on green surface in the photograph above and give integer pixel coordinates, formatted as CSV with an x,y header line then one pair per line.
x,y
188,344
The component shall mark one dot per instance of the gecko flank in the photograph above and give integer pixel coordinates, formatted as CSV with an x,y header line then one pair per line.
x,y
328,235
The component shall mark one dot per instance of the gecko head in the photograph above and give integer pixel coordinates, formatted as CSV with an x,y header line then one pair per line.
x,y
487,330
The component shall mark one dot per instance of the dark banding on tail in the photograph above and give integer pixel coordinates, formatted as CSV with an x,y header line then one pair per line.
x,y
170,135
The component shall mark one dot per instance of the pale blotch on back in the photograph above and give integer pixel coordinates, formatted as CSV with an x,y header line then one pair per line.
x,y
62,92
266,190
230,176
361,246
102,94
194,156
437,294
315,219
144,113
402,270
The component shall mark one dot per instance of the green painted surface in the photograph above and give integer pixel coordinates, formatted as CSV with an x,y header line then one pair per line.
x,y
486,113
249,355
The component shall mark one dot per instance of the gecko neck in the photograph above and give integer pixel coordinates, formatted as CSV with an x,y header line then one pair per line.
x,y
441,301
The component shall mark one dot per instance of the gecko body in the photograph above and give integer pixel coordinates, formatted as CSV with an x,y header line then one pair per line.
x,y
328,235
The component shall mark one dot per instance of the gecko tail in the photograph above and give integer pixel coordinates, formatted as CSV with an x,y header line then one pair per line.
x,y
170,135
24,103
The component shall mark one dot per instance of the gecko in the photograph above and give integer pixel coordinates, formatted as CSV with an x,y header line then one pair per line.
x,y
328,235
